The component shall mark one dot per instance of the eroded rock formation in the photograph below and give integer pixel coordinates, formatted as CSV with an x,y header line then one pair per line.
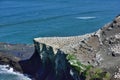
x,y
48,62
45,64
101,48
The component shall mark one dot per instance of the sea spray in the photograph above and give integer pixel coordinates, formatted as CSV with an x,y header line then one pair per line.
x,y
7,73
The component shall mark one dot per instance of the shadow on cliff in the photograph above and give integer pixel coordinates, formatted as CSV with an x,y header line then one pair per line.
x,y
39,68
46,69
31,65
45,65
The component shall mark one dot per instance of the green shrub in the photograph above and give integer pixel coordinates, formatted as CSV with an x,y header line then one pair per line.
x,y
88,71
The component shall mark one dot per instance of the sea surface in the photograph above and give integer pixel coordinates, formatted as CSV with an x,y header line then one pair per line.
x,y
23,20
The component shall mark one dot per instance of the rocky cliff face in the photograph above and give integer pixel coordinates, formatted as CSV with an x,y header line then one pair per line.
x,y
101,48
45,64
48,62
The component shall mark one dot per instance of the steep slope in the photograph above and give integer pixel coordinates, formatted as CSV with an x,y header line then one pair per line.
x,y
48,62
101,48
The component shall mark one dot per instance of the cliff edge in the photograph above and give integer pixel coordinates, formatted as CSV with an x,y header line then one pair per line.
x,y
48,61
100,49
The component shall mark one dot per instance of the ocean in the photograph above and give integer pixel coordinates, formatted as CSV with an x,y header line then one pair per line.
x,y
23,20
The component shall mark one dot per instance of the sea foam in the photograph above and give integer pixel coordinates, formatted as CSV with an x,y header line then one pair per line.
x,y
6,70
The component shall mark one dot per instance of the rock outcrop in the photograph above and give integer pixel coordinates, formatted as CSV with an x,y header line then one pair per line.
x,y
45,64
11,54
48,62
11,60
100,49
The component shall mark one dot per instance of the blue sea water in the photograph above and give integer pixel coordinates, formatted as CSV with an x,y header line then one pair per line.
x,y
23,20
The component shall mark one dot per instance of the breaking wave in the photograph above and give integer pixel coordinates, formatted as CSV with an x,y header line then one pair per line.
x,y
7,73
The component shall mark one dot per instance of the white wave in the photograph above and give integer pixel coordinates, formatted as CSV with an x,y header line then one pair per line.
x,y
86,18
6,69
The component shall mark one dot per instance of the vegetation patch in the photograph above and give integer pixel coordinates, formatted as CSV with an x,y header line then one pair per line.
x,y
87,71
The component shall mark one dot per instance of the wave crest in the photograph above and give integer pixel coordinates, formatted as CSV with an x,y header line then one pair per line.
x,y
86,18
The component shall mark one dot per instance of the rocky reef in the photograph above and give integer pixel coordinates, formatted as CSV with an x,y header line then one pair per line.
x,y
48,61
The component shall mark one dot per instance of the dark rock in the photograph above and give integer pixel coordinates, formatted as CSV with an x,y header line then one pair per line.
x,y
62,67
45,64
11,61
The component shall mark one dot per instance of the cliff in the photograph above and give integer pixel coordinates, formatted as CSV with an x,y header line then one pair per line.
x,y
99,48
48,62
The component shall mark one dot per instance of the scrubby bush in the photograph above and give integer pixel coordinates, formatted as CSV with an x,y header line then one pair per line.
x,y
87,71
